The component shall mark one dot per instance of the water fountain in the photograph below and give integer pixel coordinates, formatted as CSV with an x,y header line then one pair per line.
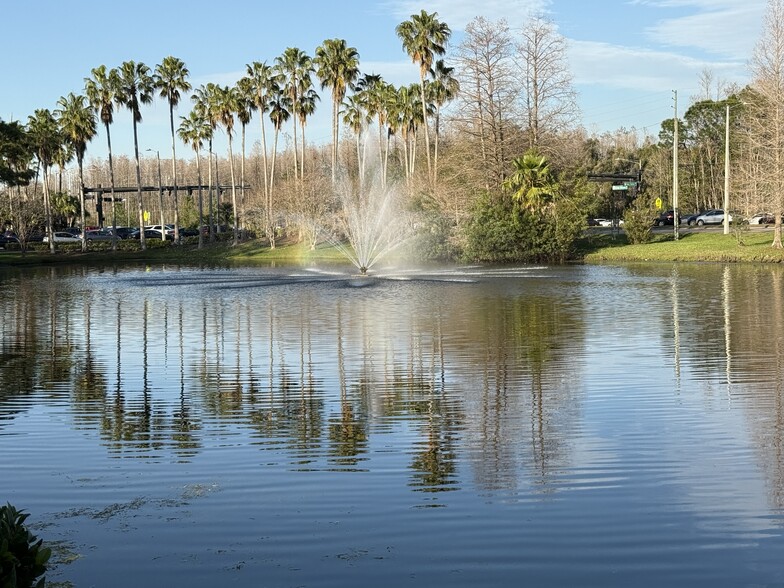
x,y
372,221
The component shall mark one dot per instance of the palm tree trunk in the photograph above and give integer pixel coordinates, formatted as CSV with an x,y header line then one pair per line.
x,y
264,152
233,194
302,159
381,154
80,163
335,124
360,163
174,177
201,201
209,196
142,240
270,215
424,121
111,188
242,181
435,147
48,213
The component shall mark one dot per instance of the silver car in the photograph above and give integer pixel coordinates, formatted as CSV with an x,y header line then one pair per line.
x,y
711,217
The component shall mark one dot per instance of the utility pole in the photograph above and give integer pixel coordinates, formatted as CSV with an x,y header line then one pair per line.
x,y
727,171
675,219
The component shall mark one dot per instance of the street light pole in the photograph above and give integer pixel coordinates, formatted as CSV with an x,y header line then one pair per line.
x,y
727,171
675,215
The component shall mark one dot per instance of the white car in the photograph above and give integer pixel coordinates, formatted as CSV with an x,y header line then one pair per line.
x,y
762,218
61,237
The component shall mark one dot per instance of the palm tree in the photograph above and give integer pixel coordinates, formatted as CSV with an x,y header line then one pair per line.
x,y
377,97
204,105
77,121
296,66
423,37
46,138
226,104
440,91
337,68
307,106
531,182
245,108
135,88
171,78
279,113
193,131
101,91
266,82
356,117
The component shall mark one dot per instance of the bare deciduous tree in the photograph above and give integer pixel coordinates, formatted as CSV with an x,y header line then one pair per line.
x,y
767,67
550,99
489,91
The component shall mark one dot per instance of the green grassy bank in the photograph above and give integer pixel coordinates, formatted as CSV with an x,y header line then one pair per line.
x,y
694,246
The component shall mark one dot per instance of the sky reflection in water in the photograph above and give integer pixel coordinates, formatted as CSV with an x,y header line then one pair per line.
x,y
471,426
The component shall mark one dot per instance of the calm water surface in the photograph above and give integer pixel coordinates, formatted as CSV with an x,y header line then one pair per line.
x,y
541,426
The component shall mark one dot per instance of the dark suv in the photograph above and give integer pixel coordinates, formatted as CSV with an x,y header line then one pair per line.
x,y
665,218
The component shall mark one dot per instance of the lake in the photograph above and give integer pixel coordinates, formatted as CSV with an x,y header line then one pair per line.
x,y
458,426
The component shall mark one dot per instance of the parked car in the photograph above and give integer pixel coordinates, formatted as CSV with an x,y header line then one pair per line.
x,y
690,219
149,234
99,235
63,237
168,228
665,218
8,238
762,218
712,217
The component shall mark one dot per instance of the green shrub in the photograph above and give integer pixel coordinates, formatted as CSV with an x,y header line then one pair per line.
x,y
22,557
638,221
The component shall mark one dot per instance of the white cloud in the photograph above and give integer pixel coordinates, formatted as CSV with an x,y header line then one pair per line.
x,y
721,27
623,67
458,13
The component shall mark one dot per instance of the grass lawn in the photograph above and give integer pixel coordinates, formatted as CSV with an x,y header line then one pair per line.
x,y
693,245
754,246
220,254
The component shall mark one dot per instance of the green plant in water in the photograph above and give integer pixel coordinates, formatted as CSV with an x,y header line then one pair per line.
x,y
22,557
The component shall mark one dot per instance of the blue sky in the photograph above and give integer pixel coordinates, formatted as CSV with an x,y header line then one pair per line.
x,y
626,56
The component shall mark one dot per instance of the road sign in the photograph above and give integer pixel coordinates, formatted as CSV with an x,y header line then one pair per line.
x,y
630,184
619,187
658,203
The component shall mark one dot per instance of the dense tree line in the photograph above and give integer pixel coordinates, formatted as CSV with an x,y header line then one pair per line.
x,y
505,162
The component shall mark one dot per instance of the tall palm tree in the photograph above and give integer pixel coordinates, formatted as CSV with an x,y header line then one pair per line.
x,y
204,105
46,138
245,108
279,113
441,90
135,88
193,131
171,79
226,104
307,106
423,37
377,96
101,91
356,117
337,66
266,81
77,121
296,66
